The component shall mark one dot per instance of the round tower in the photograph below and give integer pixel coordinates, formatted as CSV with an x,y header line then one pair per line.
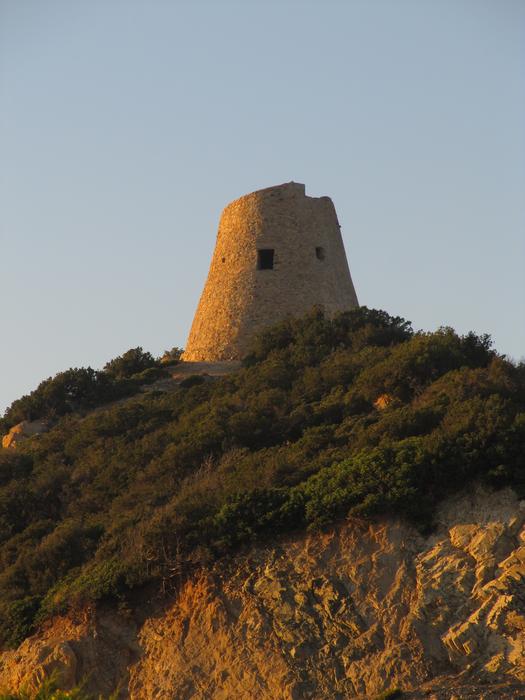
x,y
278,254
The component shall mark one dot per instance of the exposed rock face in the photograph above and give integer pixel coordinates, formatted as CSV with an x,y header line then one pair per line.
x,y
336,615
23,430
278,254
382,401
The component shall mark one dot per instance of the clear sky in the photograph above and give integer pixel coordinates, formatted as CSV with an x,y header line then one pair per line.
x,y
126,126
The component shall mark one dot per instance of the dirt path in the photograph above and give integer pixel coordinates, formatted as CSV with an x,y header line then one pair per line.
x,y
188,369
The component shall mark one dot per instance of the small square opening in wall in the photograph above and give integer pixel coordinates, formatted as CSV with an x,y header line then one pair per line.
x,y
265,259
319,253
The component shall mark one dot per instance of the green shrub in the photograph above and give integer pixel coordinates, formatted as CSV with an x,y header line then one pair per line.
x,y
150,375
192,380
171,357
132,362
74,390
390,694
14,466
18,617
49,689
84,388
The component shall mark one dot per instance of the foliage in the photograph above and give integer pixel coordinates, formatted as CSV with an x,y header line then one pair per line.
x,y
150,375
192,380
82,389
391,694
69,391
171,357
49,689
144,490
19,616
131,362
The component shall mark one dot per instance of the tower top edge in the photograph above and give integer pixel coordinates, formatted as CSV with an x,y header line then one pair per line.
x,y
298,187
289,189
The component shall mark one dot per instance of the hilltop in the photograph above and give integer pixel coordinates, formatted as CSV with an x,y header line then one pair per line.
x,y
133,493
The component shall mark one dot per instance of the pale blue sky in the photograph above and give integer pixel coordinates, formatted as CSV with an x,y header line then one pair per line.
x,y
126,127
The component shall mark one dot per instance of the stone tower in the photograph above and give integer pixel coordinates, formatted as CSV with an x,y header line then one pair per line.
x,y
278,253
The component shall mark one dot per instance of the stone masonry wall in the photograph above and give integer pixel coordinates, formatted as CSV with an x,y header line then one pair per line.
x,y
240,300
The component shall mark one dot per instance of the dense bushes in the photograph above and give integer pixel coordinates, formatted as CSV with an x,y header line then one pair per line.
x,y
146,489
131,362
82,389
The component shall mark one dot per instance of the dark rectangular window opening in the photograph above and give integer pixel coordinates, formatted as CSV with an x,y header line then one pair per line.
x,y
319,253
265,259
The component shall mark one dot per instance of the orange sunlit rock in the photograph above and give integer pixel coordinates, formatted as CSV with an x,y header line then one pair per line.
x,y
382,401
21,431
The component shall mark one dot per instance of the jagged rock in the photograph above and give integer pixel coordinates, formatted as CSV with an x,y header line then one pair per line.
x,y
341,614
23,430
382,401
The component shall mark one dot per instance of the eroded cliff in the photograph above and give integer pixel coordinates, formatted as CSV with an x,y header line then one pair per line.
x,y
342,614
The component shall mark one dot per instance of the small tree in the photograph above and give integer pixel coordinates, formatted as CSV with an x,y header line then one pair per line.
x,y
171,357
131,362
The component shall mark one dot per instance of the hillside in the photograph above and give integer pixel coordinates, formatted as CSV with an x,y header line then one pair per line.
x,y
357,416
345,613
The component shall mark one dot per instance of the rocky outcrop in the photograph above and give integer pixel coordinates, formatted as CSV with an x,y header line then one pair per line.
x,y
21,431
382,401
341,614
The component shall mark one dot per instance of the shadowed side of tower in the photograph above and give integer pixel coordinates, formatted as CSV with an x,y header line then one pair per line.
x,y
278,254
